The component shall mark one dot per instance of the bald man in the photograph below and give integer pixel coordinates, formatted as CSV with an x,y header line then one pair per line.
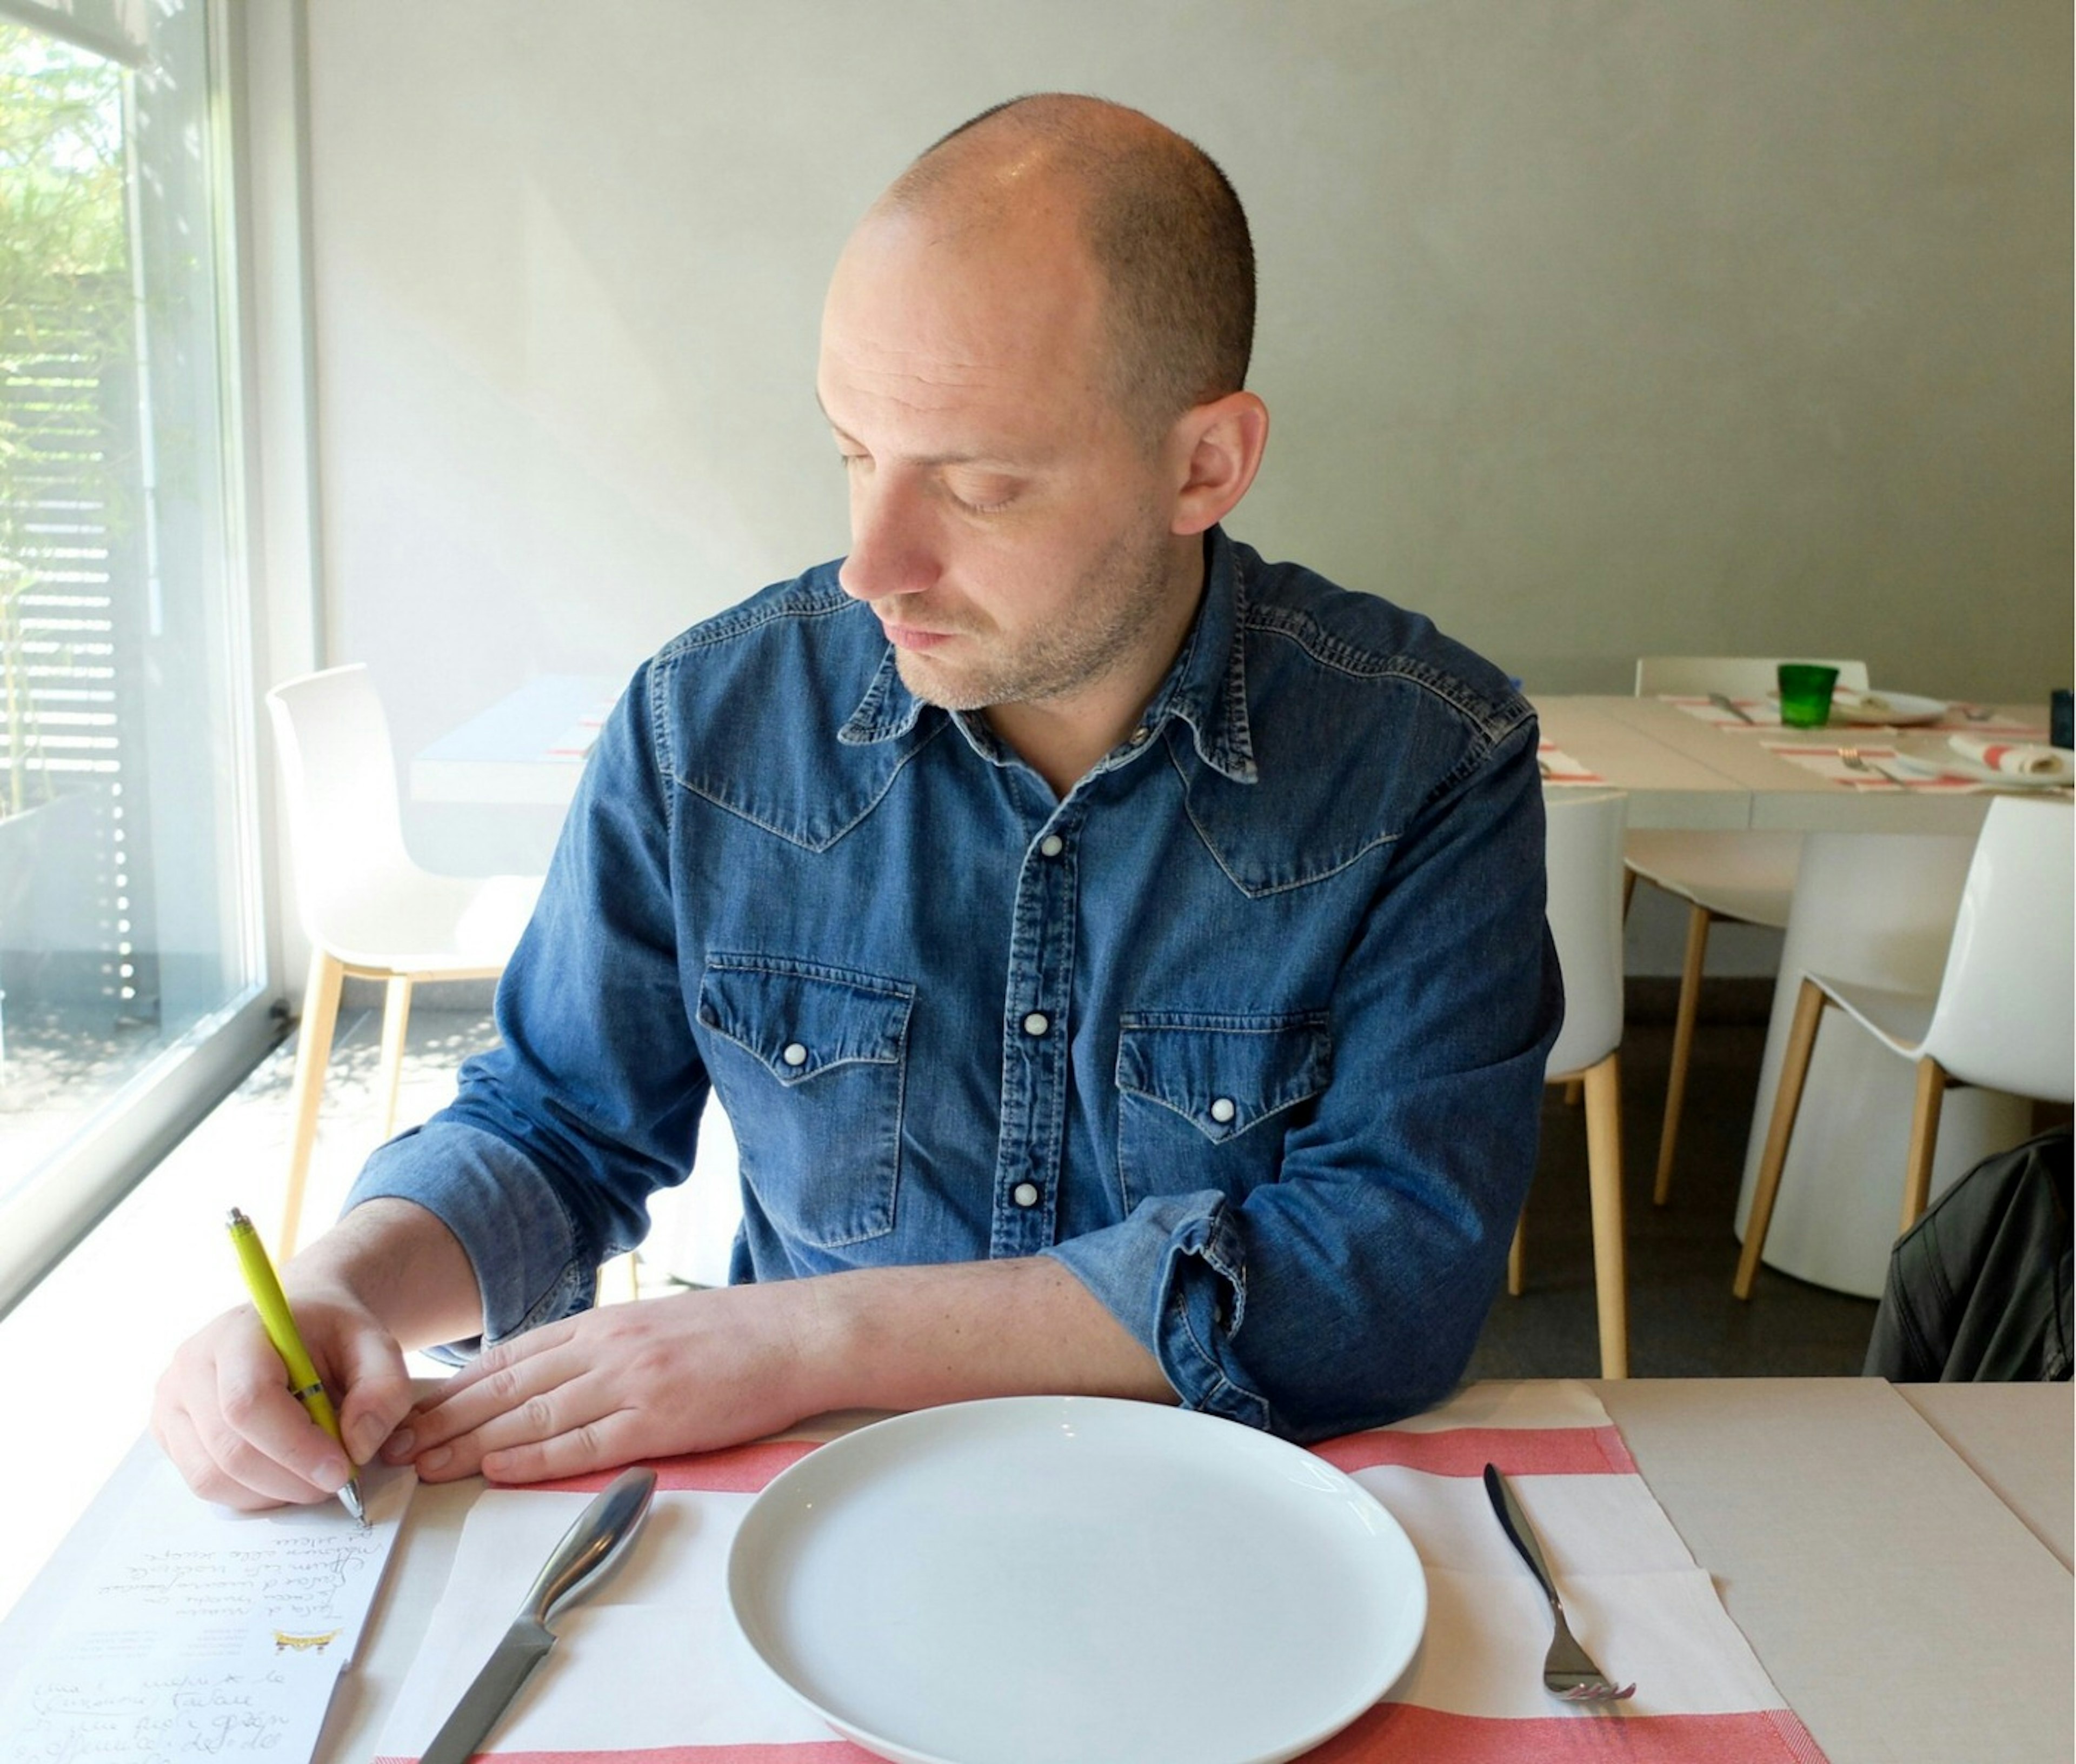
x,y
1122,959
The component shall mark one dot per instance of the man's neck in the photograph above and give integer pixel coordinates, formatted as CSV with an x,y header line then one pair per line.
x,y
1064,739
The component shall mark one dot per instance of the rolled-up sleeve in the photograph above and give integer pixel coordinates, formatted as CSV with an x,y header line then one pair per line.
x,y
1349,1291
542,1165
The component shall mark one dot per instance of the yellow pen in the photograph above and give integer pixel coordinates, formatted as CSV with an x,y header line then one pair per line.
x,y
288,1340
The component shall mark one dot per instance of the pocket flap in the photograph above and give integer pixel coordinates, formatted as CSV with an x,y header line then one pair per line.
x,y
800,1020
1224,1072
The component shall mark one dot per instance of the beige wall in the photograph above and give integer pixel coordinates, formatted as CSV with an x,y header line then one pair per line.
x,y
1589,326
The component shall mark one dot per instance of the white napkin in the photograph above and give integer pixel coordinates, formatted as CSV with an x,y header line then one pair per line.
x,y
2021,759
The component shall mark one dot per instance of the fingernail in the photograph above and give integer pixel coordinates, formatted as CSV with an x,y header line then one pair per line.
x,y
400,1445
436,1459
332,1477
363,1438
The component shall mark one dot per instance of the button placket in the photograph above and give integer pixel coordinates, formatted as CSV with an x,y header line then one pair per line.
x,y
1035,1044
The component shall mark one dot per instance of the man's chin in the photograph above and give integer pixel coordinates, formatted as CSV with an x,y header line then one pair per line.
x,y
934,683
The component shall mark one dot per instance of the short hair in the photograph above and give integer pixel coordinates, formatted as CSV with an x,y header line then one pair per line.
x,y
1164,230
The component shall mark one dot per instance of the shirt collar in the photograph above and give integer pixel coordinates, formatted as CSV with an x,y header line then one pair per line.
x,y
1206,686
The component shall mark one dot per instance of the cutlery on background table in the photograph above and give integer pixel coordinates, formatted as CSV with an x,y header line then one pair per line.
x,y
601,1531
1568,1670
1724,701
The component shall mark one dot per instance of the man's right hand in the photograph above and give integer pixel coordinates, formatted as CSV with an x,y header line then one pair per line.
x,y
224,1415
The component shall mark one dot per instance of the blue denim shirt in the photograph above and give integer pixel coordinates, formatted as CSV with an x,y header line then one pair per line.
x,y
1248,1030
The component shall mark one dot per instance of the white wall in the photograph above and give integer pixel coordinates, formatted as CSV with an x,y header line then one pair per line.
x,y
1590,326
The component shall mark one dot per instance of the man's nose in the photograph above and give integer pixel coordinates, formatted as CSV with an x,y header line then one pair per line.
x,y
892,548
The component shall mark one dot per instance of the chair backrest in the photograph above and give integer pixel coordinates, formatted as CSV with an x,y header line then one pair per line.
x,y
344,826
1739,676
1583,846
2006,1016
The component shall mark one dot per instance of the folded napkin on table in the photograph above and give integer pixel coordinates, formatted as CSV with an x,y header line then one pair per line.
x,y
2021,759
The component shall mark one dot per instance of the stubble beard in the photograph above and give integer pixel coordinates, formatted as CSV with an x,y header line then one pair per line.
x,y
1122,599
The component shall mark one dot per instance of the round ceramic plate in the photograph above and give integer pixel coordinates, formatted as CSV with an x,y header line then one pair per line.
x,y
1885,710
1033,1578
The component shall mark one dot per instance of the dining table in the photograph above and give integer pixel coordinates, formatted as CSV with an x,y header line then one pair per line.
x,y
1799,1569
1888,816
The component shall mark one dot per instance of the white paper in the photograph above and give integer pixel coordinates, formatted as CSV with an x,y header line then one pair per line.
x,y
198,1633
647,1657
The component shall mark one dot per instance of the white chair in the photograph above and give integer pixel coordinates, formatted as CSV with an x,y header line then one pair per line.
x,y
2003,1018
368,910
1583,846
1737,879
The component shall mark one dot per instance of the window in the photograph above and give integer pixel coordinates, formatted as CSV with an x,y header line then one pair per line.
x,y
131,969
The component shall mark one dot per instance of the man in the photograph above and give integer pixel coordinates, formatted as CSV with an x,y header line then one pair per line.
x,y
1122,959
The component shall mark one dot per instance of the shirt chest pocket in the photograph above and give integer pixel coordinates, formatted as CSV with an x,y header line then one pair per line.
x,y
810,1062
1204,1100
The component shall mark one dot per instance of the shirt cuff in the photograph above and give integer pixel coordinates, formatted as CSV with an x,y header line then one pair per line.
x,y
1174,1274
504,1213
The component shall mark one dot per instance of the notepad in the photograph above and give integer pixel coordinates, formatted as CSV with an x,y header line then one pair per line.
x,y
196,1633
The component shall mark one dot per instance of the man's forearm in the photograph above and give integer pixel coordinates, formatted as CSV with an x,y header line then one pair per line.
x,y
403,1265
906,1337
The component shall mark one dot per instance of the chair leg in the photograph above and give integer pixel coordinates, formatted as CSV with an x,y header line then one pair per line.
x,y
1517,1259
313,1055
1809,1005
1683,1047
1932,1082
1575,1092
1604,1181
396,1019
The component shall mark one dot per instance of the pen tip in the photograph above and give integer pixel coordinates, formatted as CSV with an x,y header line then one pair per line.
x,y
236,1219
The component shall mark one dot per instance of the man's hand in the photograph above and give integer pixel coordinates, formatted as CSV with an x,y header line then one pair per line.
x,y
224,1415
686,1373
700,1371
387,1276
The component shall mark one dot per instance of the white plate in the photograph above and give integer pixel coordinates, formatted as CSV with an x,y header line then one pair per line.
x,y
1036,1579
1885,710
1953,764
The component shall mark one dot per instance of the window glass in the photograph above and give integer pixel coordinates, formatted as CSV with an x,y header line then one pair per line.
x,y
126,910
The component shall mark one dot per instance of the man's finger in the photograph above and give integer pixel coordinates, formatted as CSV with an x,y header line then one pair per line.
x,y
262,1426
516,1389
375,1390
605,1444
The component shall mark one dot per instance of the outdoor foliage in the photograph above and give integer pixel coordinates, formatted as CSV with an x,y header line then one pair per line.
x,y
67,323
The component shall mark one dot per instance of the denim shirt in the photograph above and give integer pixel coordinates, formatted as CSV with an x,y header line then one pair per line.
x,y
1248,1030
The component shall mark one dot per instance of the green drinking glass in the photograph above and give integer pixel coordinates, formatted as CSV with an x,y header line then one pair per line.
x,y
1805,693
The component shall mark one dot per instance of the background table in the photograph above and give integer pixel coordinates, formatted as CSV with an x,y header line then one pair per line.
x,y
1841,1191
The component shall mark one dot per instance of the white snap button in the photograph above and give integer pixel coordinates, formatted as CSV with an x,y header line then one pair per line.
x,y
1139,736
1052,845
1025,1194
795,1054
1036,1024
1223,1111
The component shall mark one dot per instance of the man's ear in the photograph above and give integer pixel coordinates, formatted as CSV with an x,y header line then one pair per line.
x,y
1218,447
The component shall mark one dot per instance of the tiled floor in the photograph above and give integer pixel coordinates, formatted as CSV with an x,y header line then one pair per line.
x,y
79,1357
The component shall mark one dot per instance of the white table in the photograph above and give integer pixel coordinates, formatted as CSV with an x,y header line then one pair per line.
x,y
1905,1606
1841,1190
524,749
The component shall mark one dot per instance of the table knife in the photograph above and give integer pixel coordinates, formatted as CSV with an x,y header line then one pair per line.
x,y
1723,702
601,1531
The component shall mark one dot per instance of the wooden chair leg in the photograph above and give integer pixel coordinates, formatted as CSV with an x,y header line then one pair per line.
x,y
1932,1082
1604,1181
1575,1092
320,993
1683,1047
396,1019
1517,1259
1809,1005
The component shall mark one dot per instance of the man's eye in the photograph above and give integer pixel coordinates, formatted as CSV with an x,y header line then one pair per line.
x,y
991,499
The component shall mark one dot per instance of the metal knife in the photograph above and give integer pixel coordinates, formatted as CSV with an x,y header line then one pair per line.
x,y
601,1531
1723,702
